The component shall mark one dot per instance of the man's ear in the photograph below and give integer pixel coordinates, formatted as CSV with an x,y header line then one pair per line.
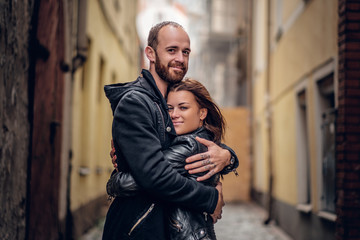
x,y
150,53
203,113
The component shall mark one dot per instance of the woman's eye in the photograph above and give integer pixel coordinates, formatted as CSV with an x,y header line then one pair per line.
x,y
183,108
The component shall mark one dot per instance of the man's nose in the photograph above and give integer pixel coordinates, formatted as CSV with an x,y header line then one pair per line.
x,y
180,57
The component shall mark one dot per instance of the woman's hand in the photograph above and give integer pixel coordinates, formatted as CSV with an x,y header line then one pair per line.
x,y
212,161
218,210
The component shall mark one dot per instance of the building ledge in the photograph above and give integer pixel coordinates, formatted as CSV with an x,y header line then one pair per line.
x,y
327,215
306,208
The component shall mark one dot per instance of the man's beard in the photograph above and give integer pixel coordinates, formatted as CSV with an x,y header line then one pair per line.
x,y
164,73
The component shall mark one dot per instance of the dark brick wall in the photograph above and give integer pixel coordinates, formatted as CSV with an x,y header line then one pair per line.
x,y
348,122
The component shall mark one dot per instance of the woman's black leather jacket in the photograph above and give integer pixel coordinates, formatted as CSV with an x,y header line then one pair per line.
x,y
183,223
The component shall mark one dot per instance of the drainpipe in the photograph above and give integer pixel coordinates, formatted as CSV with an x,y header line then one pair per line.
x,y
78,60
81,38
269,118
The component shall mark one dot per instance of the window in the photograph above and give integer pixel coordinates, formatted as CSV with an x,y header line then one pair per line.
x,y
224,16
303,159
85,69
325,118
328,118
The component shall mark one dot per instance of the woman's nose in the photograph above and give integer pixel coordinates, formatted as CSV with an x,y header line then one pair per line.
x,y
174,114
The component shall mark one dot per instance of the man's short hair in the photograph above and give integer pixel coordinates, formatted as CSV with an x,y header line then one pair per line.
x,y
154,32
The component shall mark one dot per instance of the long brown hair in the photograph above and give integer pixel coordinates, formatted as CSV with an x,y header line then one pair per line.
x,y
214,121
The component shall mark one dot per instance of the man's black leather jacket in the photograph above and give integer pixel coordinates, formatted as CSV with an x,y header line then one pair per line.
x,y
142,130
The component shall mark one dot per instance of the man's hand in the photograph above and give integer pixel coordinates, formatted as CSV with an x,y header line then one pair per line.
x,y
212,161
113,156
218,210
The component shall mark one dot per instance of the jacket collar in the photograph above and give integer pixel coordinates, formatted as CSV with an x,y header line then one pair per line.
x,y
151,86
150,83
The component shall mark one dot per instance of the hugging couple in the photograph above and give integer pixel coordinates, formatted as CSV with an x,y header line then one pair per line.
x,y
167,148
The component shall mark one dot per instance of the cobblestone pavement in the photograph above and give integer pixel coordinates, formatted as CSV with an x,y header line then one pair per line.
x,y
239,222
245,222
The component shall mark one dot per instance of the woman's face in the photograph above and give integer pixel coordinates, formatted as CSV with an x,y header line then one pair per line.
x,y
185,112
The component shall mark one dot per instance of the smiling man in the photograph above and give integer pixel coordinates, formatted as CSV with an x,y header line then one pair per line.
x,y
174,48
142,129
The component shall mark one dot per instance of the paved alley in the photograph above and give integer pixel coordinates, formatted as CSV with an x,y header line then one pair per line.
x,y
240,222
245,222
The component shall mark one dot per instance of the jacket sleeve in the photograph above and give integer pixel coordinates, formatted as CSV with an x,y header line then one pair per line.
x,y
181,148
231,167
135,133
123,184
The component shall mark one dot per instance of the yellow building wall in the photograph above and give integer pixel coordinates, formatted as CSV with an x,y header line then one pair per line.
x,y
307,43
108,62
237,136
284,149
289,6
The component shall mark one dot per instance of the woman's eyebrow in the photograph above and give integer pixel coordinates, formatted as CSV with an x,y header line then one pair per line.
x,y
182,103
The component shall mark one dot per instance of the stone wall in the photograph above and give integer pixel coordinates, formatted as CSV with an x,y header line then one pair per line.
x,y
15,17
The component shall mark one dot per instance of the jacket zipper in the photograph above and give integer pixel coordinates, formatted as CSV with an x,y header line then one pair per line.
x,y
162,118
176,224
142,218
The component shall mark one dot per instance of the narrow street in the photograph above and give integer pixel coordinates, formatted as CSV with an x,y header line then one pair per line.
x,y
240,222
245,222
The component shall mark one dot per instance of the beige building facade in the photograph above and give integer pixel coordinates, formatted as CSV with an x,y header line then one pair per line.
x,y
294,64
112,57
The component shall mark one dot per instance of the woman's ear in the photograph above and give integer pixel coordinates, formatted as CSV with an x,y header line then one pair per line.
x,y
203,113
150,53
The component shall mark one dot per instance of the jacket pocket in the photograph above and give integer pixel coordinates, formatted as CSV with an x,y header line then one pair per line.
x,y
142,218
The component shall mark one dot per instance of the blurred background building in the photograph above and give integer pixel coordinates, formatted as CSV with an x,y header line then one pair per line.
x,y
55,139
285,73
294,72
112,56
